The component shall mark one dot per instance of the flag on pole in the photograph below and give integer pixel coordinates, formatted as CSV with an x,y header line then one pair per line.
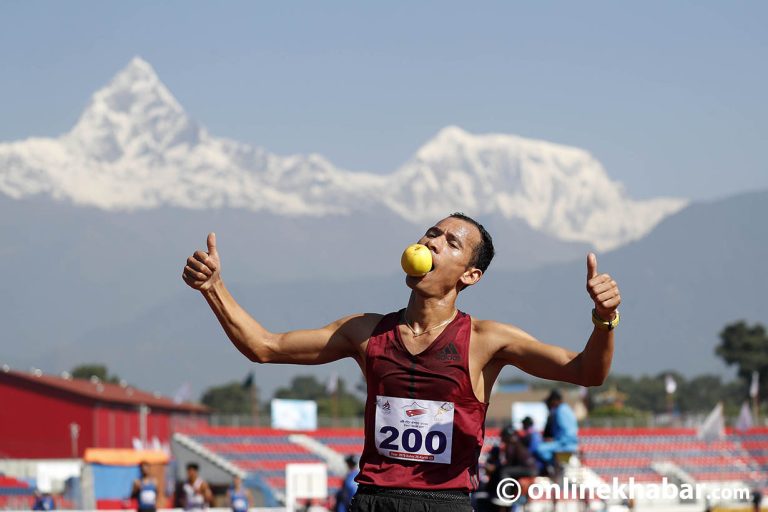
x,y
670,385
754,385
248,382
183,393
745,418
333,383
714,425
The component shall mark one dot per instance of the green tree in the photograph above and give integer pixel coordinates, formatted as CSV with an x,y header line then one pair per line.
x,y
702,392
697,394
229,398
86,371
307,387
644,393
608,411
746,347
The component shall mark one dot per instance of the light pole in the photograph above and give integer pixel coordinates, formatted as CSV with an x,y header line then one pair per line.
x,y
143,414
74,433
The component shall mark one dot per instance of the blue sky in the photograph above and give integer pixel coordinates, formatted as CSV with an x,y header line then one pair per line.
x,y
670,96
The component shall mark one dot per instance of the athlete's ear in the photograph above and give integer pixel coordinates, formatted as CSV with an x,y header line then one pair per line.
x,y
471,276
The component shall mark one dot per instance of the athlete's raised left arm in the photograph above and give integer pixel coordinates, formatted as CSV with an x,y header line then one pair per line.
x,y
589,367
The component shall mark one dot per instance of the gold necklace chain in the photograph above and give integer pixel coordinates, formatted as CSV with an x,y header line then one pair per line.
x,y
425,331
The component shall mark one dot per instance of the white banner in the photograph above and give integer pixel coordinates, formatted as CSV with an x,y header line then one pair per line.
x,y
294,414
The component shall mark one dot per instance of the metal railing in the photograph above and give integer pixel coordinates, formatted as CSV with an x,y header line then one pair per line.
x,y
649,421
237,420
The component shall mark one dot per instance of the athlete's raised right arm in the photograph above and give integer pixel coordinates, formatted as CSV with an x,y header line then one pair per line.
x,y
335,341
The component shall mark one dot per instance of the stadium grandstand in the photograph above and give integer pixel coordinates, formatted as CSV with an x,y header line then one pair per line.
x,y
14,493
645,454
96,469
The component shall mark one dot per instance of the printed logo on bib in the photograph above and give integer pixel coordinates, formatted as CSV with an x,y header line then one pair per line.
x,y
414,429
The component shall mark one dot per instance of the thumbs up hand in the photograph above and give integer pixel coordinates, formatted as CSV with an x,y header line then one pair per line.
x,y
203,269
603,290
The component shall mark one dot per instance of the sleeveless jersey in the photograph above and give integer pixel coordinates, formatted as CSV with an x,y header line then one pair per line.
x,y
424,426
194,499
147,495
238,500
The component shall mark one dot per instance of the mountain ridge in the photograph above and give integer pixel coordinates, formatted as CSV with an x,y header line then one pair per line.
x,y
134,147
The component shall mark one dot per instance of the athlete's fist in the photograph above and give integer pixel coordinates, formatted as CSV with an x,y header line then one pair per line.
x,y
203,269
603,290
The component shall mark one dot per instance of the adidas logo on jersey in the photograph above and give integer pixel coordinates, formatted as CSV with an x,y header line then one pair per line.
x,y
449,353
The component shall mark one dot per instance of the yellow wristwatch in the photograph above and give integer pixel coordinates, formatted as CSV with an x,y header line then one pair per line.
x,y
604,324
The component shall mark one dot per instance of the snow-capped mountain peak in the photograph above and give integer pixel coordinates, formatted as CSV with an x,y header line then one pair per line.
x,y
135,147
135,116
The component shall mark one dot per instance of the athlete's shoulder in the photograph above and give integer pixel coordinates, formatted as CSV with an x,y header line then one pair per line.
x,y
483,326
495,330
360,326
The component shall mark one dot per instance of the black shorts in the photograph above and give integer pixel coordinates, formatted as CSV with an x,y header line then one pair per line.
x,y
380,499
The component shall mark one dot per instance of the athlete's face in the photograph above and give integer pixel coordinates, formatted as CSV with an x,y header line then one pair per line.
x,y
452,243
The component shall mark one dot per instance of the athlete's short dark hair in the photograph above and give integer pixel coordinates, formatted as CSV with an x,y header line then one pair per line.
x,y
484,251
554,396
193,465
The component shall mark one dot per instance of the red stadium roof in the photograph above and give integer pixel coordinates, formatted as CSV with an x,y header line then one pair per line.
x,y
99,391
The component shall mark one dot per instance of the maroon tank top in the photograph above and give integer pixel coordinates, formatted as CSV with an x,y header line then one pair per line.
x,y
424,426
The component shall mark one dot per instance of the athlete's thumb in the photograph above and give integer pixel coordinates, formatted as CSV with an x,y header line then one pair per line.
x,y
591,266
212,244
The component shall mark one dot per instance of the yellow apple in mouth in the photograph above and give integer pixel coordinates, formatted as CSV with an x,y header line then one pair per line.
x,y
416,260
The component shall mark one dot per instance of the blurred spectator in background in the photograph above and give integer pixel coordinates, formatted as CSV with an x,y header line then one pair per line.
x,y
510,459
757,499
144,489
43,501
238,496
195,493
531,438
562,431
348,487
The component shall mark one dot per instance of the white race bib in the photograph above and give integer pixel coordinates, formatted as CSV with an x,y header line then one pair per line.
x,y
414,429
147,497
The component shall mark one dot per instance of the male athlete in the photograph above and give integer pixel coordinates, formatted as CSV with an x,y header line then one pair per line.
x,y
196,494
145,489
429,367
